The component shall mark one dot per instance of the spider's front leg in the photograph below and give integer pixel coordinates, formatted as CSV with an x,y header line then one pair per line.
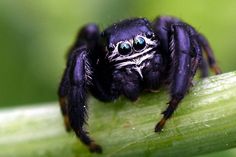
x,y
63,93
74,85
77,95
87,37
186,56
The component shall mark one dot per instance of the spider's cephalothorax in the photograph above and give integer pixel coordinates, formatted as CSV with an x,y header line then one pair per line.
x,y
126,58
132,48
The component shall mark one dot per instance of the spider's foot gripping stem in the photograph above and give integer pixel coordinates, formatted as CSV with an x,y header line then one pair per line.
x,y
167,114
216,69
209,54
93,147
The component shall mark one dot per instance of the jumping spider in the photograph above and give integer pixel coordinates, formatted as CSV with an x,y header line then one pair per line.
x,y
126,58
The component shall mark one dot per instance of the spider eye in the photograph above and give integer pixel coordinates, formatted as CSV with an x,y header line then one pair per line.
x,y
149,35
139,43
111,47
124,48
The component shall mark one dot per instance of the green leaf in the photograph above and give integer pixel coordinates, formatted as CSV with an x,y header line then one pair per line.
x,y
204,122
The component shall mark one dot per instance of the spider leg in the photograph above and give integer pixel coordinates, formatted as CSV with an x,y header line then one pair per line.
x,y
203,66
88,36
186,55
77,96
209,54
63,93
103,87
75,83
181,47
152,73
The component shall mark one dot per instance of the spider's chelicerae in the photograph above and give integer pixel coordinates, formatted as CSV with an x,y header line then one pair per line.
x,y
126,58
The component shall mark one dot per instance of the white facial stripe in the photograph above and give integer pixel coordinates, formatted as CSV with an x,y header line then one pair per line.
x,y
136,64
124,64
138,69
137,61
145,57
120,58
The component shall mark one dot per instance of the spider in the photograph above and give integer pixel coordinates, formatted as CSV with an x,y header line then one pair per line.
x,y
128,57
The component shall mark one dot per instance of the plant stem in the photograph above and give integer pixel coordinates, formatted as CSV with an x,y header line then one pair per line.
x,y
204,122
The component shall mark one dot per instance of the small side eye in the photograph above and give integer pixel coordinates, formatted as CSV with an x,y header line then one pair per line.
x,y
124,48
149,34
139,43
111,47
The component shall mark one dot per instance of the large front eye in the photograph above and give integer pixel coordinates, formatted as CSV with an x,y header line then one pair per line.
x,y
124,48
139,43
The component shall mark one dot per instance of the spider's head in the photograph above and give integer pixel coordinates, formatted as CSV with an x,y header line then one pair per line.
x,y
130,43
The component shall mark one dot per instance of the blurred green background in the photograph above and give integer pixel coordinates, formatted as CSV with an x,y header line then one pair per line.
x,y
35,35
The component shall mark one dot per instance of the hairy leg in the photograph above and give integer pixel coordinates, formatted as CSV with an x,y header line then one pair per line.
x,y
209,54
74,84
182,51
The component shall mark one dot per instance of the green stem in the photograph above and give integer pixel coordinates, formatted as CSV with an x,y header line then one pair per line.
x,y
204,122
